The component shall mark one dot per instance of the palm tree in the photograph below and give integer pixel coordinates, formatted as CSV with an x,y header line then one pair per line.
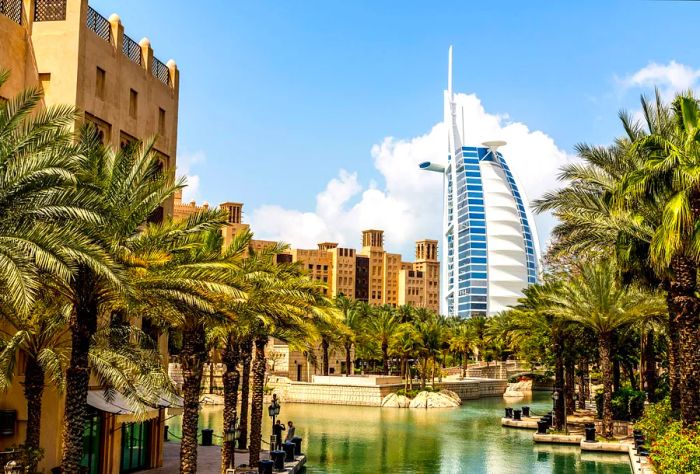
x,y
41,215
352,318
430,341
121,358
281,299
463,341
404,343
602,208
595,298
193,286
382,326
672,160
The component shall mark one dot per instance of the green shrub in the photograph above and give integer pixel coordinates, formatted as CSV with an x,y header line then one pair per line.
x,y
627,404
539,378
677,450
656,420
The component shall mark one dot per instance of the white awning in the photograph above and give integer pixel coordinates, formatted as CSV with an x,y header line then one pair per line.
x,y
119,405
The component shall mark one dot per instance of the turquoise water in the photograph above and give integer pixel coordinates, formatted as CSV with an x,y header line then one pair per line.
x,y
465,440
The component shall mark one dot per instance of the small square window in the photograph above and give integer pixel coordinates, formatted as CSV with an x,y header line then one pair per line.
x,y
133,103
161,122
100,83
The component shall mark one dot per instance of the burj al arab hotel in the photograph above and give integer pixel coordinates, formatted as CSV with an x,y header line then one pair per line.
x,y
491,246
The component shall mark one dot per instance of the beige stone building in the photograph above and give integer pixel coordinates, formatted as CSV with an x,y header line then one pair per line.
x,y
370,274
80,58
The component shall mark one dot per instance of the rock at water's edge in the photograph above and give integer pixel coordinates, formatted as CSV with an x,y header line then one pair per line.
x,y
395,401
436,400
518,389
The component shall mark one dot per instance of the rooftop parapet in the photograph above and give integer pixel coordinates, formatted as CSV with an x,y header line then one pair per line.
x,y
26,12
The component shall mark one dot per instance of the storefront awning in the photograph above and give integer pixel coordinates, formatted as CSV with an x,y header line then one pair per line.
x,y
116,403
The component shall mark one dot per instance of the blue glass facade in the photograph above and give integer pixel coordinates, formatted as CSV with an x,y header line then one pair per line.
x,y
467,262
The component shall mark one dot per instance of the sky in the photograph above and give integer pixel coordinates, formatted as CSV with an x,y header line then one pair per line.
x,y
315,114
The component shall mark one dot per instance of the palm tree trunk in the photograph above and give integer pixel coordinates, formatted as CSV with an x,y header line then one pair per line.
x,y
211,375
617,375
348,360
465,364
192,357
559,415
570,376
686,309
604,349
385,358
582,375
629,371
649,373
33,392
324,349
256,409
83,325
230,356
246,357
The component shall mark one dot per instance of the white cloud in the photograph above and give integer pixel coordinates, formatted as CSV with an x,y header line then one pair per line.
x,y
669,78
185,162
408,203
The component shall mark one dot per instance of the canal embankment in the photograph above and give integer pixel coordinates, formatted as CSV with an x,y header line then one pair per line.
x,y
371,390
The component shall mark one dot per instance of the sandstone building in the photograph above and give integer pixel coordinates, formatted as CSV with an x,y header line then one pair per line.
x,y
80,58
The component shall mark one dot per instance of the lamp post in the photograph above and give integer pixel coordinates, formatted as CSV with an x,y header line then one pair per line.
x,y
273,410
555,397
231,435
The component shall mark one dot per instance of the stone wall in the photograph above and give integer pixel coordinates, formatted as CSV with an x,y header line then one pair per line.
x,y
473,389
334,394
327,394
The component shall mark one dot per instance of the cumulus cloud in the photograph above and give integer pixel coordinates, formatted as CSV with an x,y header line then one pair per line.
x,y
407,202
669,78
185,162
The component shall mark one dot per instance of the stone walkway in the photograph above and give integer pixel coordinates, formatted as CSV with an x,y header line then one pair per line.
x,y
208,459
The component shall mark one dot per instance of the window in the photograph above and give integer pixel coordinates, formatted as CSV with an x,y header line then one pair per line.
x,y
45,82
161,121
100,83
103,129
133,103
135,443
91,443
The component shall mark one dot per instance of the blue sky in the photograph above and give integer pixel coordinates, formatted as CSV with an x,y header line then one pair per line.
x,y
276,98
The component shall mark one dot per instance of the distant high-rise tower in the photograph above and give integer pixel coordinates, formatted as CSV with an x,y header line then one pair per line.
x,y
491,247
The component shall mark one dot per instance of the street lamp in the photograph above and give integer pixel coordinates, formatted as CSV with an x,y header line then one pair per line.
x,y
273,410
231,436
555,397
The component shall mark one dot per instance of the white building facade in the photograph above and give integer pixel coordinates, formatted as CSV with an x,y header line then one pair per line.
x,y
492,250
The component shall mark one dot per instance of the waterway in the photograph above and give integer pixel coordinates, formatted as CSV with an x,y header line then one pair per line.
x,y
465,440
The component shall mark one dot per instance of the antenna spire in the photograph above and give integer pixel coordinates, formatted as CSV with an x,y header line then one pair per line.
x,y
449,73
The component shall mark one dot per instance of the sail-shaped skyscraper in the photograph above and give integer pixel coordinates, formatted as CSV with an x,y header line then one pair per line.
x,y
490,241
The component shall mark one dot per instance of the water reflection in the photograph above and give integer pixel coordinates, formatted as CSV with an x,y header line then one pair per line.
x,y
468,439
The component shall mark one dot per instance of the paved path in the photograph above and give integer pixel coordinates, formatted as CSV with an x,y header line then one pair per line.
x,y
208,459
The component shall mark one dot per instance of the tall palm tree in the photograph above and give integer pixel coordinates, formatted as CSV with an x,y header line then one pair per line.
x,y
41,214
405,344
595,298
602,208
672,161
121,358
430,340
463,342
194,282
281,298
352,318
383,325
